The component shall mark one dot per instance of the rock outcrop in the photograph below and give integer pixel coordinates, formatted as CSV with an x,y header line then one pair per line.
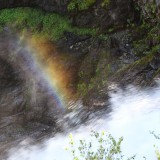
x,y
96,61
110,15
26,101
48,5
102,14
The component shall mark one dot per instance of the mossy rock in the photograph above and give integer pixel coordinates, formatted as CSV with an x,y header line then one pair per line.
x,y
48,25
138,73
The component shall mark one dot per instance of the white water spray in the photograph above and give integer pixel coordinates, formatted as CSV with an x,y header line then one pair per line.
x,y
134,114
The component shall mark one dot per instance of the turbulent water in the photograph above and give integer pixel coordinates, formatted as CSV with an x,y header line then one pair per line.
x,y
134,114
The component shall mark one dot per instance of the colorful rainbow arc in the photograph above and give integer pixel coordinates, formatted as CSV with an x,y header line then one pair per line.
x,y
46,66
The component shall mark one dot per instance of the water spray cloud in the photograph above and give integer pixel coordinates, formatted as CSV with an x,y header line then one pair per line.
x,y
49,65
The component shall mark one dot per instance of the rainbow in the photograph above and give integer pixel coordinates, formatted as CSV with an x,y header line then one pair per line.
x,y
50,67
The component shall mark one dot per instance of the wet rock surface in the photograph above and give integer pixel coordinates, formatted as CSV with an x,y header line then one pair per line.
x,y
27,106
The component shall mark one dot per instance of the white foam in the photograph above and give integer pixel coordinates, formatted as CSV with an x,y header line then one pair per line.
x,y
134,114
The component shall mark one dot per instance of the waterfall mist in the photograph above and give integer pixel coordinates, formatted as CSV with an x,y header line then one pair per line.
x,y
134,114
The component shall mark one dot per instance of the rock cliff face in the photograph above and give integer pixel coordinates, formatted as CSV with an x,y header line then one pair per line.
x,y
108,15
112,14
25,100
13,77
127,52
104,14
48,5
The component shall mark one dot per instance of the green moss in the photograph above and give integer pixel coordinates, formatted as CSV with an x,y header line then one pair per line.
x,y
140,47
149,37
150,9
82,89
94,75
105,3
80,4
1,29
21,16
143,61
139,64
49,25
85,4
104,37
156,73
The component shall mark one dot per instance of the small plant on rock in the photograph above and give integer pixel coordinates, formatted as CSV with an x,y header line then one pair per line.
x,y
101,147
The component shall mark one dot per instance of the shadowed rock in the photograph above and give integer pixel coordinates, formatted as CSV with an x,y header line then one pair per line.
x,y
24,98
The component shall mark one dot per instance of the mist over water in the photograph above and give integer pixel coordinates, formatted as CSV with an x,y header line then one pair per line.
x,y
134,114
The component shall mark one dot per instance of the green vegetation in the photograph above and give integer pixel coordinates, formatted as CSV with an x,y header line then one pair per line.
x,y
94,74
82,89
84,4
105,3
157,153
150,10
149,39
148,30
156,148
108,148
37,22
80,4
101,146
